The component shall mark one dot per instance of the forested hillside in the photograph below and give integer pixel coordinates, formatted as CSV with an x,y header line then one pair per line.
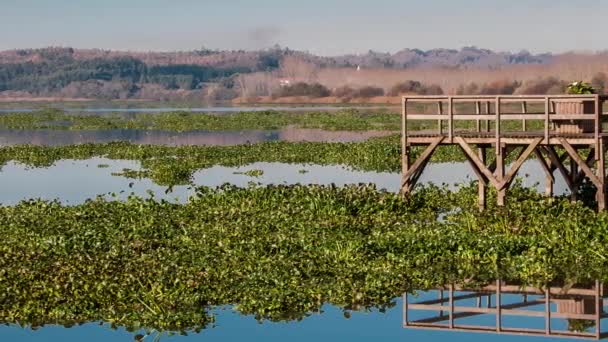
x,y
224,75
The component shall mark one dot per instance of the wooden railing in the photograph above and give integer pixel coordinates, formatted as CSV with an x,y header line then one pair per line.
x,y
492,109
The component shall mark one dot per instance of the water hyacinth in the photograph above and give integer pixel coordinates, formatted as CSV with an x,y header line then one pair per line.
x,y
278,252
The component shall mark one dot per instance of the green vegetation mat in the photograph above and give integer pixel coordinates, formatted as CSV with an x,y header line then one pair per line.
x,y
278,252
343,119
352,120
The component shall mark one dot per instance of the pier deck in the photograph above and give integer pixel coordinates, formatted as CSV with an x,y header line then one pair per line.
x,y
564,133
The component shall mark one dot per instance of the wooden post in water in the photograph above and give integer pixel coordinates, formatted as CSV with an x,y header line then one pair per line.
x,y
574,178
500,175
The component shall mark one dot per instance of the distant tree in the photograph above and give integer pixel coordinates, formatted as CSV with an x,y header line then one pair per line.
x,y
305,89
368,91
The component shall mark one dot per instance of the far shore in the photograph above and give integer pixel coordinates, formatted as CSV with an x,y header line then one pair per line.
x,y
260,100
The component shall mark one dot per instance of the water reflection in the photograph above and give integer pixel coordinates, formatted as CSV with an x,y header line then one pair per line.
x,y
50,137
74,181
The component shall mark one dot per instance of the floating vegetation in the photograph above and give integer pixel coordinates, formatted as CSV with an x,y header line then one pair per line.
x,y
103,166
250,173
278,252
343,120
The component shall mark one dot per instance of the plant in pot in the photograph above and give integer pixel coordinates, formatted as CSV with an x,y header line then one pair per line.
x,y
575,106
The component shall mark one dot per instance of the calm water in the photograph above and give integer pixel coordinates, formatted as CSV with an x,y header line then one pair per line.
x,y
74,181
328,326
50,137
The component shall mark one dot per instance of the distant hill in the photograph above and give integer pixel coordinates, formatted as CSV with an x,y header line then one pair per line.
x,y
264,59
224,75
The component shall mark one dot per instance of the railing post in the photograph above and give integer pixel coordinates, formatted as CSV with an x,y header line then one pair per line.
x,y
547,104
440,121
478,112
451,119
524,109
405,158
598,123
497,125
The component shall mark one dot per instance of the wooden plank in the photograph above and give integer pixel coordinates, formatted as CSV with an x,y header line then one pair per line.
x,y
579,161
519,162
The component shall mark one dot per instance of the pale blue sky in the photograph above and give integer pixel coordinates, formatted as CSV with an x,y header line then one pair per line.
x,y
320,26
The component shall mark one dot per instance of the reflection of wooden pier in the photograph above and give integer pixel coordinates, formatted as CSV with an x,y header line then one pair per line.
x,y
562,132
582,307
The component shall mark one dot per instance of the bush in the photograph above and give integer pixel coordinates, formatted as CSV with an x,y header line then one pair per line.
x,y
305,89
369,91
580,87
414,87
469,89
344,92
550,85
503,87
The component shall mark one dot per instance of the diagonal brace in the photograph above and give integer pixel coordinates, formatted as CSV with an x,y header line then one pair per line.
x,y
581,163
519,162
424,157
478,164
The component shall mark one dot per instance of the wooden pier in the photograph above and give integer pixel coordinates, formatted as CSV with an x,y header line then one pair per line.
x,y
563,132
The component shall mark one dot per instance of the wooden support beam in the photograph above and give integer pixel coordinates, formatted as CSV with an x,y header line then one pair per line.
x,y
590,161
549,178
558,162
518,163
601,173
478,164
406,180
582,164
500,174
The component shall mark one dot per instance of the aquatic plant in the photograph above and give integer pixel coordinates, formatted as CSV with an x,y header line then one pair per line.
x,y
278,252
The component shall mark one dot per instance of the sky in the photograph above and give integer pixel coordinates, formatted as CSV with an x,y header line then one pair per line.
x,y
326,27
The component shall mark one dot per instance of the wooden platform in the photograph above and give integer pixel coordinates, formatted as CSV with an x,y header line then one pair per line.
x,y
571,139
